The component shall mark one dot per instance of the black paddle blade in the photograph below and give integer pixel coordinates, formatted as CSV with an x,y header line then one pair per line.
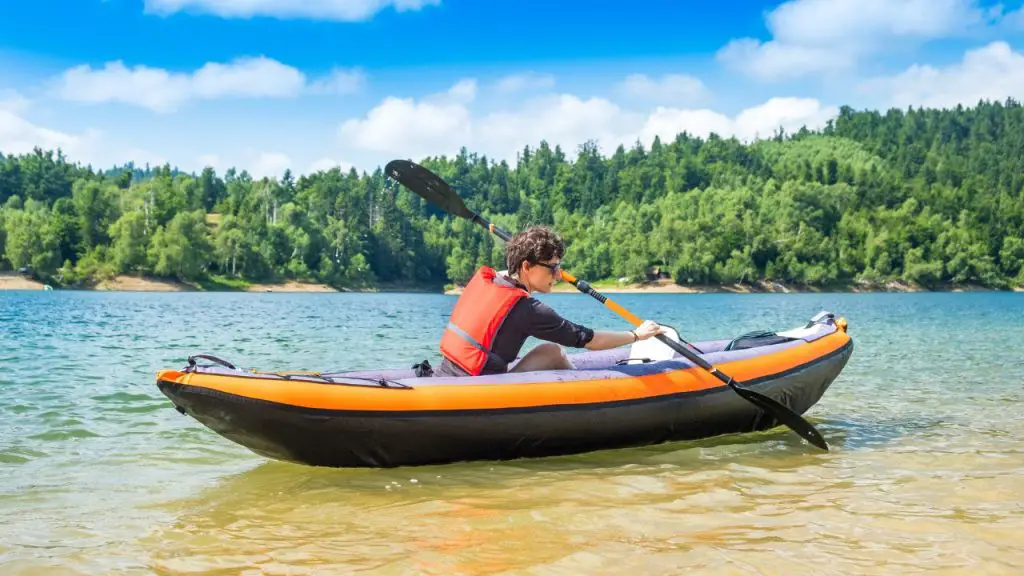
x,y
774,409
428,185
784,415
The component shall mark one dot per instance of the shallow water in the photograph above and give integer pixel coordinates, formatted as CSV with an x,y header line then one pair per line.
x,y
99,475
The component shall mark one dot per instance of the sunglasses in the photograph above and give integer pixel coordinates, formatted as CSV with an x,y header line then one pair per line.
x,y
555,268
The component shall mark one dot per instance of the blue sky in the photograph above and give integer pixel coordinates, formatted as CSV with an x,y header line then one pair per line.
x,y
271,84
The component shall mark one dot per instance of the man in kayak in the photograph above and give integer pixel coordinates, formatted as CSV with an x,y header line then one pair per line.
x,y
496,313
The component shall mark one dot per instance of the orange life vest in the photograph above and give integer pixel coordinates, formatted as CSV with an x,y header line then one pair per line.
x,y
475,320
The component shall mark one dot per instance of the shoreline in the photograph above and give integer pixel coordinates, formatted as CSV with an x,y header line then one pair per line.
x,y
667,286
130,283
14,281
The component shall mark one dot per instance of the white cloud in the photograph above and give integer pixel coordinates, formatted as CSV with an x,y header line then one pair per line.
x,y
339,81
254,77
993,72
163,91
562,119
338,10
143,86
826,22
12,101
269,165
211,160
463,91
143,157
325,164
413,129
523,82
816,36
757,122
264,164
438,122
20,136
670,88
775,61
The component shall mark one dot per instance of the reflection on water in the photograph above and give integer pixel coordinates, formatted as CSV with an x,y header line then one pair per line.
x,y
727,505
98,475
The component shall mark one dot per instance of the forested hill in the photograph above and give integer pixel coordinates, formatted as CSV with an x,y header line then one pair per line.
x,y
930,197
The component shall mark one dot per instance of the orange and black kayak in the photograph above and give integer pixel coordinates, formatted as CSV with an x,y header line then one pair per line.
x,y
392,417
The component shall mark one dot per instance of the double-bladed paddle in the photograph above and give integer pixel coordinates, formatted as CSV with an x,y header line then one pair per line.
x,y
436,191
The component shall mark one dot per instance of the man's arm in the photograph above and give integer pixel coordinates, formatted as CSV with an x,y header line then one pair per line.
x,y
604,339
544,323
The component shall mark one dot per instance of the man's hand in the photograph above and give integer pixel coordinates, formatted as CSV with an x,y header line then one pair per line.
x,y
604,340
648,329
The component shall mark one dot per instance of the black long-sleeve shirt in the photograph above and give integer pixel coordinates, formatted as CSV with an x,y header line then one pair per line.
x,y
528,317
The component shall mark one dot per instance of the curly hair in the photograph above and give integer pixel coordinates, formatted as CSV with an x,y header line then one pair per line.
x,y
533,245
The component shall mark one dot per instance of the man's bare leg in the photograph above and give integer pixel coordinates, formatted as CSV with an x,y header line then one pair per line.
x,y
546,356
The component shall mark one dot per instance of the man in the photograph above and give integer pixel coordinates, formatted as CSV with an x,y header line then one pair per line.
x,y
496,313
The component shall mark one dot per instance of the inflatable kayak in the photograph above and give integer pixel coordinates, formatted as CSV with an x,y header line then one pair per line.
x,y
630,396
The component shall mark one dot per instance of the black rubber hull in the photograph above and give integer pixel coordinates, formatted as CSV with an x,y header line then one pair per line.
x,y
386,439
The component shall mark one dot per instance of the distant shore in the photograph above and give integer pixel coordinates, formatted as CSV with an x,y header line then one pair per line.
x,y
129,283
667,286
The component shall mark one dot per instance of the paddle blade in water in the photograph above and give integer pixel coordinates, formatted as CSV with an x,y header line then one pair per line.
x,y
784,416
428,185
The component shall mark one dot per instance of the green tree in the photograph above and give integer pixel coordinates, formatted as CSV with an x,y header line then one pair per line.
x,y
182,249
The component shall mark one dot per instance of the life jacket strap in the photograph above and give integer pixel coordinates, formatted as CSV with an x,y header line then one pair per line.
x,y
473,342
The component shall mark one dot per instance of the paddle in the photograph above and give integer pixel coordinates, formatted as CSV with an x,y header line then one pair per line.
x,y
436,191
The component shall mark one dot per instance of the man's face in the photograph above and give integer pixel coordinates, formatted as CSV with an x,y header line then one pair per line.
x,y
544,275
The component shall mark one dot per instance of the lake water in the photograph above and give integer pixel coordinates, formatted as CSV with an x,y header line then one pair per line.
x,y
99,475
